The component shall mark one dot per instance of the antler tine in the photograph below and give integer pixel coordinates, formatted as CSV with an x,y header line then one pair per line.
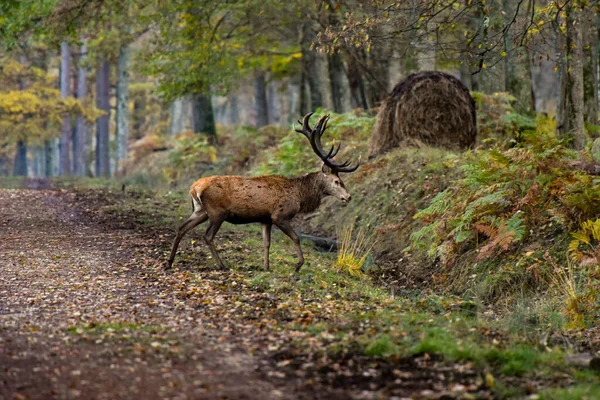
x,y
349,169
322,125
306,129
334,150
314,137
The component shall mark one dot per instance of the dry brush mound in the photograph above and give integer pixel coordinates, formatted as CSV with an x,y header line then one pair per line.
x,y
428,107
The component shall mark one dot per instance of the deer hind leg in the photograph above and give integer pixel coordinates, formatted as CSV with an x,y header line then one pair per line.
x,y
286,228
211,231
197,217
266,234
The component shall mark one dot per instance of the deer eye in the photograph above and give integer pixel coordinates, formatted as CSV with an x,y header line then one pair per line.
x,y
337,183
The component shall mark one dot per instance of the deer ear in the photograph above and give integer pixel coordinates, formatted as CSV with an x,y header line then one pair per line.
x,y
325,169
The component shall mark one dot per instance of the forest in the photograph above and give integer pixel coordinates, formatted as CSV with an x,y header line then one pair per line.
x,y
411,190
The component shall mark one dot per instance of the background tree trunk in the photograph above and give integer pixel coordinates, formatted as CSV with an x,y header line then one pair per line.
x,y
20,168
65,91
321,69
203,115
260,94
234,113
102,132
80,142
340,89
122,105
177,116
48,157
575,93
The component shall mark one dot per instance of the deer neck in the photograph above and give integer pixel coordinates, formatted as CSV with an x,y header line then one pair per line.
x,y
311,190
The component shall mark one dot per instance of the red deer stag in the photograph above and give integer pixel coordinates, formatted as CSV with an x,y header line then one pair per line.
x,y
267,200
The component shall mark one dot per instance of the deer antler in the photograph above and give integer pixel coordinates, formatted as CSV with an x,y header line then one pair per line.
x,y
314,137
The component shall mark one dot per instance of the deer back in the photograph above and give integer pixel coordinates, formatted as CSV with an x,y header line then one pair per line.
x,y
244,200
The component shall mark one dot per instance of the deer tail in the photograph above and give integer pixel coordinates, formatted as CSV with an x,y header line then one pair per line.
x,y
197,189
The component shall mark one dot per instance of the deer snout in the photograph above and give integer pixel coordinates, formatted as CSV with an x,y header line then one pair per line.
x,y
346,198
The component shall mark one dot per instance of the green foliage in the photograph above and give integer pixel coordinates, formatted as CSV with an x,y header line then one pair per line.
x,y
582,391
191,155
381,346
504,196
200,47
497,120
294,156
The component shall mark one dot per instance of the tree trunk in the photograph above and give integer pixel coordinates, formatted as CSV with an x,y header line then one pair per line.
x,y
65,91
80,142
340,90
321,68
203,115
575,92
177,116
260,94
234,113
273,100
304,96
102,132
20,168
122,105
310,68
590,70
48,158
509,58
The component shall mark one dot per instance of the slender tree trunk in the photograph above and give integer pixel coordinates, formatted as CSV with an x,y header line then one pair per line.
x,y
260,93
80,143
532,97
122,105
324,85
20,168
340,90
575,91
203,115
356,82
177,116
304,96
102,132
310,68
234,113
65,91
273,100
509,58
49,153
590,70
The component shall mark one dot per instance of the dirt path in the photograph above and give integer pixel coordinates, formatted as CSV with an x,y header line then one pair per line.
x,y
77,322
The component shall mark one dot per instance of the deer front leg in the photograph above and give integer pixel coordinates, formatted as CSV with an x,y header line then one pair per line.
x,y
194,220
266,234
286,228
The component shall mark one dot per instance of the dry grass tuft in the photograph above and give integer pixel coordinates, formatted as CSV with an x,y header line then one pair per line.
x,y
353,250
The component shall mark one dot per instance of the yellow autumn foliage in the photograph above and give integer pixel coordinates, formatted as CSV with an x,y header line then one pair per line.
x,y
30,106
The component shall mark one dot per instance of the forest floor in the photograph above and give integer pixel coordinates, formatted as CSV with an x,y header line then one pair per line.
x,y
86,311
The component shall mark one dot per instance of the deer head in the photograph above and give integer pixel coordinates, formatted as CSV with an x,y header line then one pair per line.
x,y
333,184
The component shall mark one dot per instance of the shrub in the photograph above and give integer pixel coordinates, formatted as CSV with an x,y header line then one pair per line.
x,y
507,198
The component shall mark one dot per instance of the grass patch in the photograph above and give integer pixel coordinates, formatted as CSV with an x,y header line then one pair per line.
x,y
586,391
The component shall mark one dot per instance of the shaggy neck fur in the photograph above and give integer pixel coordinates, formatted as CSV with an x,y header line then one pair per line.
x,y
311,190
